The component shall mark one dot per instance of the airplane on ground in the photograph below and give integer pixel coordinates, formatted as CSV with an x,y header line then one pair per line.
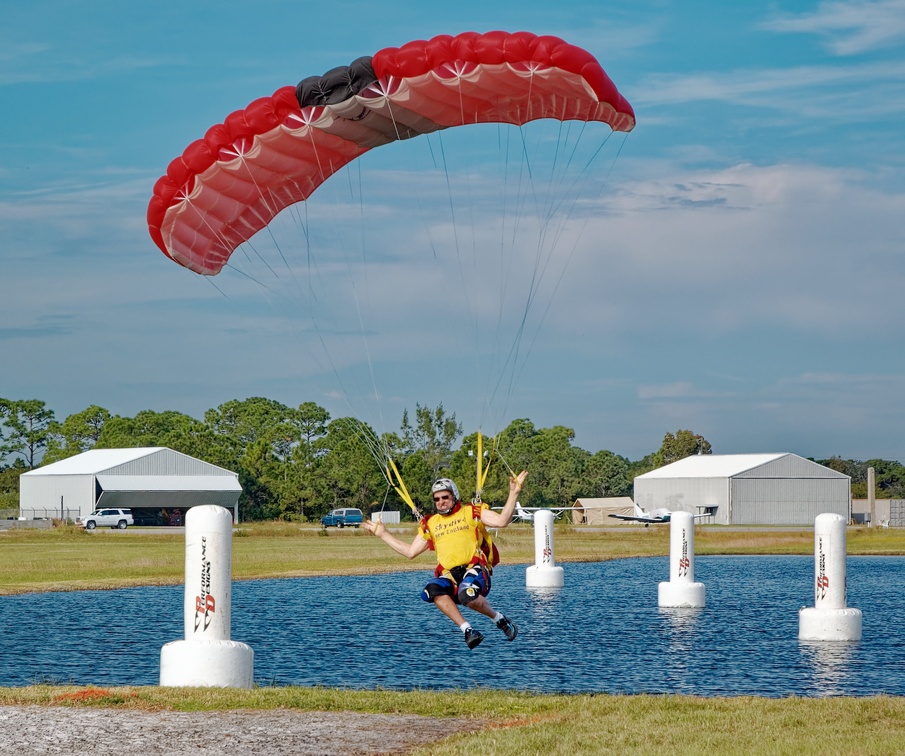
x,y
653,517
522,514
526,514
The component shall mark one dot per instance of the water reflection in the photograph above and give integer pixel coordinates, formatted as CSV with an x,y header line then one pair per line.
x,y
601,632
830,664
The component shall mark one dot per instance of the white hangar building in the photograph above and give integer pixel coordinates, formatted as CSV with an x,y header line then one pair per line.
x,y
149,479
746,489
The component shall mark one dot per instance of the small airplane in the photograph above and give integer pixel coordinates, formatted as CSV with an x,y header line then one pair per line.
x,y
522,514
526,514
653,517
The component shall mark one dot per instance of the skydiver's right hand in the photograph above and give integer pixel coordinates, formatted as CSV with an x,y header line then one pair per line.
x,y
375,528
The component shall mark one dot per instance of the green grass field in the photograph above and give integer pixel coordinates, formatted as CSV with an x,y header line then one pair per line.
x,y
509,722
69,558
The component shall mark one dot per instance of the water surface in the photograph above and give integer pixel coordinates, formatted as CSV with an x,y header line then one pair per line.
x,y
602,632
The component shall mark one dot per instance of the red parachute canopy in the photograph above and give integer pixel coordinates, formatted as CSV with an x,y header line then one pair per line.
x,y
230,184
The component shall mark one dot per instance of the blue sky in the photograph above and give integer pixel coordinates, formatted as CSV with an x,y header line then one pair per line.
x,y
741,275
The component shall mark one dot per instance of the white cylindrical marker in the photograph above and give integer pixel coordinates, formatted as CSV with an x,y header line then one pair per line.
x,y
830,618
207,657
544,573
681,590
208,573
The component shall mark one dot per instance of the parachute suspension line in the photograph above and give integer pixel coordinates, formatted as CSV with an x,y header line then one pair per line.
x,y
510,363
548,242
377,448
308,301
488,372
396,481
452,213
389,104
217,234
421,208
467,286
369,438
505,463
208,279
578,236
506,260
270,205
373,444
380,451
361,321
479,474
481,470
267,200
585,170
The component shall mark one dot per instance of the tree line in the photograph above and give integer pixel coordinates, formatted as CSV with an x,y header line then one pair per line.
x,y
298,462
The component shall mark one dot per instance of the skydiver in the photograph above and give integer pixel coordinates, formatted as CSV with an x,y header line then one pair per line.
x,y
462,577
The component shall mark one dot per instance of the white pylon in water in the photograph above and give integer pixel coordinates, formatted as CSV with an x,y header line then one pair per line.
x,y
681,590
829,619
544,573
207,657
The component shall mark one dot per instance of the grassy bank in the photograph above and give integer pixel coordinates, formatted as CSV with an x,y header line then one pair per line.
x,y
69,558
519,723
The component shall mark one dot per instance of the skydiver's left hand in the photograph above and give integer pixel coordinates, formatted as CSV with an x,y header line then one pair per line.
x,y
517,481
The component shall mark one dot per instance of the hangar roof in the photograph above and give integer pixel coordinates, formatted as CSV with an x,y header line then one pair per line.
x,y
153,460
94,461
733,465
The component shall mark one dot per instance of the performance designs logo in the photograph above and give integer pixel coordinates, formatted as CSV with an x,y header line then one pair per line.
x,y
823,581
548,549
684,561
205,605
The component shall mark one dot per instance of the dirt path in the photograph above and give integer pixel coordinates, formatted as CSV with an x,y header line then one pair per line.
x,y
27,730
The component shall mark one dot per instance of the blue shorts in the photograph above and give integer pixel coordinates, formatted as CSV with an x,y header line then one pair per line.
x,y
467,583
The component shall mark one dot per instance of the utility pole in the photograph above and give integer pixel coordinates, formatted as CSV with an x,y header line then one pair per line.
x,y
872,496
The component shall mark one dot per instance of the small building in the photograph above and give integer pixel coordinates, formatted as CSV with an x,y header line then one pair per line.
x,y
888,513
145,480
746,489
589,511
386,516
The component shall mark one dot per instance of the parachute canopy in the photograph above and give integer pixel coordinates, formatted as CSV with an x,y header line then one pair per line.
x,y
229,185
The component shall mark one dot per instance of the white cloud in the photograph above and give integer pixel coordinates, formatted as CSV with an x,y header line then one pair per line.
x,y
832,95
849,28
788,246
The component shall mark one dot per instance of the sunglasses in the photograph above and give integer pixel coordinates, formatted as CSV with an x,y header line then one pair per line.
x,y
443,497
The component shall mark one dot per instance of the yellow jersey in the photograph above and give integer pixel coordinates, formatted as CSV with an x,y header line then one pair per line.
x,y
457,537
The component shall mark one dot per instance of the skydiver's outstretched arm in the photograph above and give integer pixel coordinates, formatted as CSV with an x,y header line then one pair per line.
x,y
408,550
502,519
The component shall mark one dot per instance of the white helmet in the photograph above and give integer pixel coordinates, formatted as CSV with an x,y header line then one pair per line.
x,y
445,484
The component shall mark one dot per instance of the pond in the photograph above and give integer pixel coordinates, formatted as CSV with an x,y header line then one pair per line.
x,y
602,632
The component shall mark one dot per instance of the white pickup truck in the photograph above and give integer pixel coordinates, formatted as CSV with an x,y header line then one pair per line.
x,y
113,518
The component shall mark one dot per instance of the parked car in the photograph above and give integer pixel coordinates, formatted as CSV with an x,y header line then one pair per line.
x,y
340,518
113,518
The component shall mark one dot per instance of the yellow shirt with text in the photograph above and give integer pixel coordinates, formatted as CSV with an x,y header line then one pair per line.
x,y
455,537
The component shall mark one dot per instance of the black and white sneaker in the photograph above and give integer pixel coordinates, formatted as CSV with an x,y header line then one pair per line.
x,y
508,628
473,637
